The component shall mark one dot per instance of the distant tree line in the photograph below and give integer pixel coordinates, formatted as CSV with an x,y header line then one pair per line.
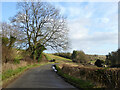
x,y
76,56
112,59
65,55
86,59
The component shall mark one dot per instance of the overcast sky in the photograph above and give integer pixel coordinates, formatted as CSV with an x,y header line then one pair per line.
x,y
93,26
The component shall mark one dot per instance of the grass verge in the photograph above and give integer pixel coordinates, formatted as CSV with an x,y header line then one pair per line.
x,y
75,81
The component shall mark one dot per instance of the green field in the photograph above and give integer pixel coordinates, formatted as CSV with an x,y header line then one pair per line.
x,y
51,56
61,60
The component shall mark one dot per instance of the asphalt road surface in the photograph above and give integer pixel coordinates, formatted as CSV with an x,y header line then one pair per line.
x,y
40,77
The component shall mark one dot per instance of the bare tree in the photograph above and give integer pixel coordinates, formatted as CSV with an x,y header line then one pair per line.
x,y
42,25
5,29
9,31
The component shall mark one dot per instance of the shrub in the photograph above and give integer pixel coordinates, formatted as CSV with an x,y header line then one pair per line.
x,y
99,62
74,54
113,58
5,41
16,60
79,56
82,57
8,54
12,41
77,82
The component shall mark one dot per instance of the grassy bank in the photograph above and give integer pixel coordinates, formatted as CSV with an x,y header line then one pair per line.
x,y
75,81
11,74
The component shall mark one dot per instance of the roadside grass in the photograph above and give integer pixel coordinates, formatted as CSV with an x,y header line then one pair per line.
x,y
75,81
7,74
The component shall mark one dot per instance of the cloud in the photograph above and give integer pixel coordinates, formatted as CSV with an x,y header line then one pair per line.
x,y
82,39
105,20
92,26
100,38
77,28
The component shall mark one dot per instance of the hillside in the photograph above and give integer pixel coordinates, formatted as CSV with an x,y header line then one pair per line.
x,y
61,60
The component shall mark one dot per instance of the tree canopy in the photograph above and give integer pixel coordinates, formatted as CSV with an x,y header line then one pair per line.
x,y
42,25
